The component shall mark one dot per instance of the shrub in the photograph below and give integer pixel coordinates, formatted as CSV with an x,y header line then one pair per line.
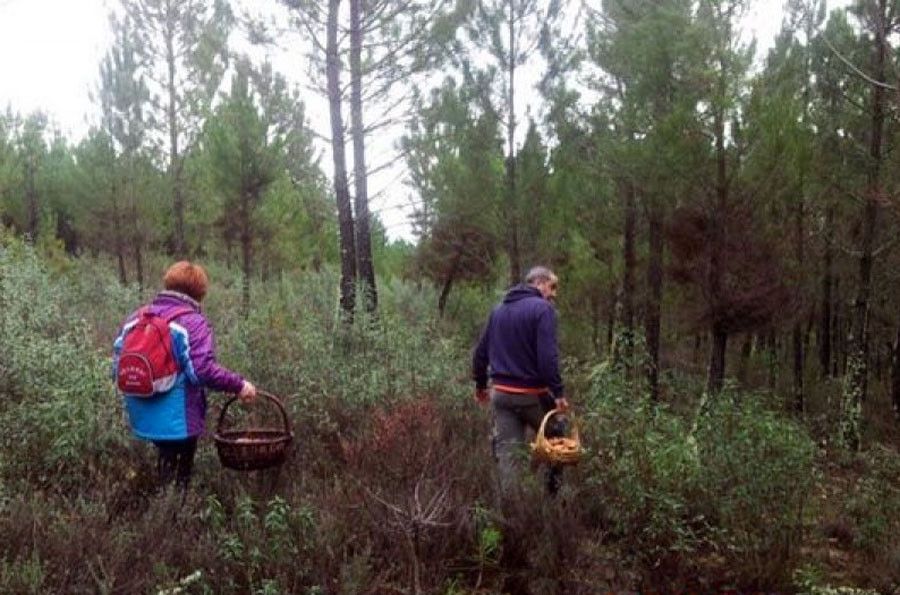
x,y
727,488
60,416
873,506
757,476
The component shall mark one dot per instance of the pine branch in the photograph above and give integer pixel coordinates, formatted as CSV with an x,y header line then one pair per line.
x,y
856,70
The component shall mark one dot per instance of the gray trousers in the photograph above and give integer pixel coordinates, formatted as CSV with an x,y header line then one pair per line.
x,y
513,413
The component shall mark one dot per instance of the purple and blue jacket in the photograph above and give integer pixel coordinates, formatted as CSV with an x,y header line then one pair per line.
x,y
519,344
180,412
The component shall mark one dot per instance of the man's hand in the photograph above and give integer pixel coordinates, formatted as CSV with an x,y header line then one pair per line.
x,y
248,393
562,404
482,396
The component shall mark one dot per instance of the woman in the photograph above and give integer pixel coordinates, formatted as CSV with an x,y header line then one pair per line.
x,y
176,417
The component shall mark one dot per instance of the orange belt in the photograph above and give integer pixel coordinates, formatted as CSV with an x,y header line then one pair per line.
x,y
521,390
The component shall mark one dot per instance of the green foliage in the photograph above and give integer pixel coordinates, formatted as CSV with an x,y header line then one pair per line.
x,y
757,474
737,486
318,359
22,576
261,541
693,486
808,580
874,504
649,471
722,490
61,417
457,169
490,537
849,425
260,171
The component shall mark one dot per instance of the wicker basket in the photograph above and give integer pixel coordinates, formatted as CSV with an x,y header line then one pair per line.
x,y
253,448
557,451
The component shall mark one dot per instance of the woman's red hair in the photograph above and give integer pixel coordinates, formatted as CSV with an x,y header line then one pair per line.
x,y
187,278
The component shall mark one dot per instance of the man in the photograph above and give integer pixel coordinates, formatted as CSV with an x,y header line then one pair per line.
x,y
519,346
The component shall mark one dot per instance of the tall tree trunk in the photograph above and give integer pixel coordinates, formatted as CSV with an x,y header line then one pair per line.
x,y
772,361
654,298
120,258
826,339
895,377
246,251
628,195
611,324
856,385
838,332
595,324
363,233
797,334
174,157
31,196
718,347
137,238
117,236
512,223
342,193
448,282
746,352
718,336
139,264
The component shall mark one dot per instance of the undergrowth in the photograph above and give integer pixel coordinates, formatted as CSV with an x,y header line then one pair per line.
x,y
390,485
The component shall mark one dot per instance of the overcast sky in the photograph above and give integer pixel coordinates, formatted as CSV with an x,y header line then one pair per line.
x,y
50,51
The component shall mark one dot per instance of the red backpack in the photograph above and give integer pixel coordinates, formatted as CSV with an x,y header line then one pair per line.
x,y
147,364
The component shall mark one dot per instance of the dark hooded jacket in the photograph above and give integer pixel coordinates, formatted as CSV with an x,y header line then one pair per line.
x,y
519,344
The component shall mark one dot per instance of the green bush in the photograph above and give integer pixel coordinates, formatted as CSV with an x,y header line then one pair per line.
x,y
293,342
874,504
757,476
60,414
729,486
646,470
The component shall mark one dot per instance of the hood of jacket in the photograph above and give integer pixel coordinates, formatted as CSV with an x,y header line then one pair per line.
x,y
521,292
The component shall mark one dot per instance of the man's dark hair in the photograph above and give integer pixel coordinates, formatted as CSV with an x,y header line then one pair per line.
x,y
537,274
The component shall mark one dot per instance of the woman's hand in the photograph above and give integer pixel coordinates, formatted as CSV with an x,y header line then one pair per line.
x,y
248,392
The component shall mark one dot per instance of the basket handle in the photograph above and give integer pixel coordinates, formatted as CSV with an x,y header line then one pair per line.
x,y
550,414
270,397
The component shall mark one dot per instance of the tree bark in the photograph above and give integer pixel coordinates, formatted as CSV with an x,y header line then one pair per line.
x,y
628,195
826,339
342,193
117,235
856,387
515,265
31,196
137,238
772,356
246,251
652,315
797,334
718,347
746,352
716,367
611,323
139,264
839,333
174,157
363,233
895,377
448,282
